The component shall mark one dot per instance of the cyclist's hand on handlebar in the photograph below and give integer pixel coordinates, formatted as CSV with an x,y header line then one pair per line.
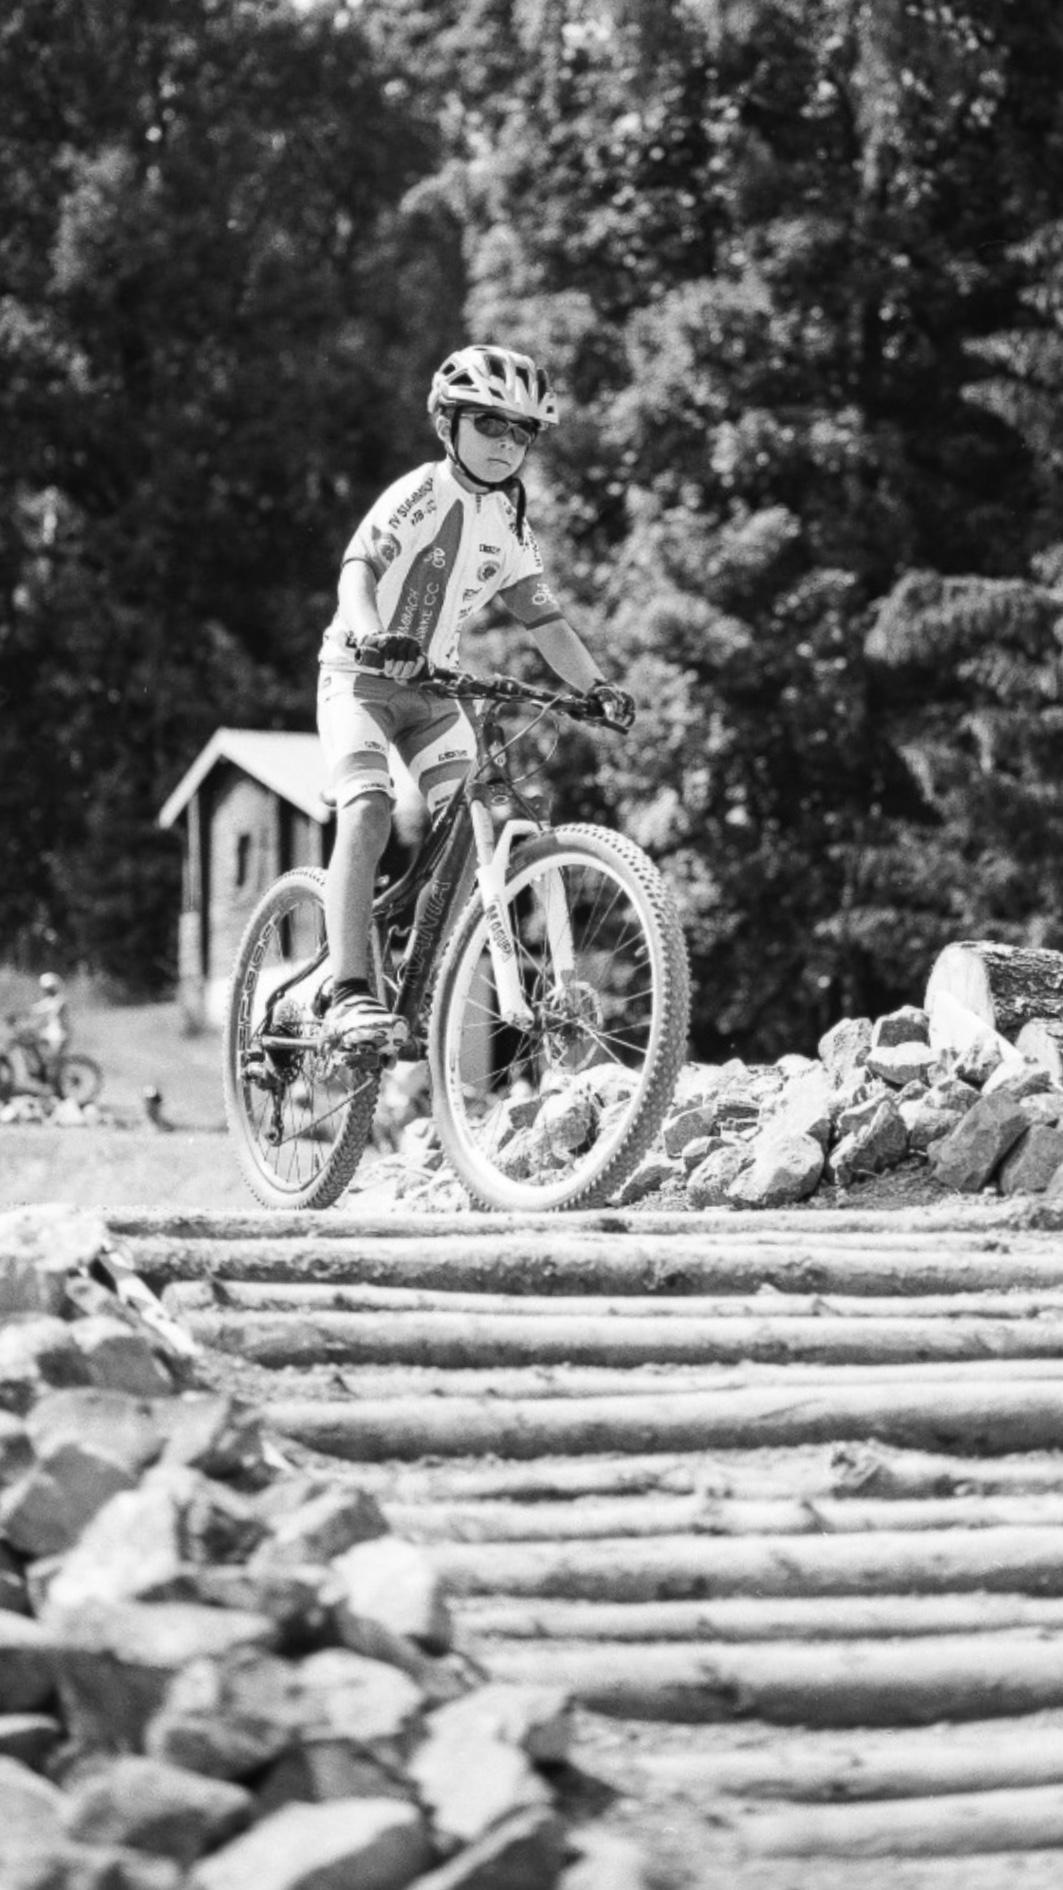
x,y
609,704
399,657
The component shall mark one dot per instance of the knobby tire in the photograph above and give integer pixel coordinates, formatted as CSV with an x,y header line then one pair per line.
x,y
628,1007
325,1118
78,1078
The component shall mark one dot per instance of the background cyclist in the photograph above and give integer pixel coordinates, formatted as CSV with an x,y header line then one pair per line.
x,y
48,1025
437,546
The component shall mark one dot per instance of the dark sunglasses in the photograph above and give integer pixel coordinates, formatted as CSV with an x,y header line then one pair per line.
x,y
494,427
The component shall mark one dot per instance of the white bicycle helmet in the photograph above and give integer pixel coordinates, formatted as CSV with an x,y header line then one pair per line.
x,y
496,378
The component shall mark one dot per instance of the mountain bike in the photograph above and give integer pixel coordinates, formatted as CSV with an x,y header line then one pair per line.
x,y
541,969
70,1075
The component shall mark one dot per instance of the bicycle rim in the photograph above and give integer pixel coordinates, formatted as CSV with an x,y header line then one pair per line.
x,y
79,1079
557,1112
300,1120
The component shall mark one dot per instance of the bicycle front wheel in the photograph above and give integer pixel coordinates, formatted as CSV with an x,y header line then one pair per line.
x,y
300,1121
557,1109
78,1078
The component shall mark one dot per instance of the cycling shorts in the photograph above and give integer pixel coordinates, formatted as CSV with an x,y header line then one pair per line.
x,y
359,717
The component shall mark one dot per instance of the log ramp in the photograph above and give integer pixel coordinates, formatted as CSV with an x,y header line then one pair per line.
x,y
783,1490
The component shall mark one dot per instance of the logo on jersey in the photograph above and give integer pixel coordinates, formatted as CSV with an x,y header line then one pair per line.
x,y
542,594
487,571
439,558
415,498
385,550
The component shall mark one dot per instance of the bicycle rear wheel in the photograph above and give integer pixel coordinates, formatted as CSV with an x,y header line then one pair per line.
x,y
78,1078
300,1119
557,1112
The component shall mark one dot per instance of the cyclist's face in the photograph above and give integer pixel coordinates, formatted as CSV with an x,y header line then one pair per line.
x,y
487,459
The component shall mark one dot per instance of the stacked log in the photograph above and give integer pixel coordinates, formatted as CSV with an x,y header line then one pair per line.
x,y
778,1486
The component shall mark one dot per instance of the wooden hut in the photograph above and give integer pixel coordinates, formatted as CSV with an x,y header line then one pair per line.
x,y
248,809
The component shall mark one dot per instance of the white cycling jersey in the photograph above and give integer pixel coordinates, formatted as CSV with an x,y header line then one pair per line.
x,y
439,553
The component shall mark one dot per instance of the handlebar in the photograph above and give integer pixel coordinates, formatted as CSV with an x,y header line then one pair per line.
x,y
457,683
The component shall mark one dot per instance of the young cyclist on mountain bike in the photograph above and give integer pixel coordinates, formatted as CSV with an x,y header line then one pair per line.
x,y
48,1026
435,548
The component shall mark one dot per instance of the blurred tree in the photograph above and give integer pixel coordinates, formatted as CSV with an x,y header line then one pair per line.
x,y
212,309
756,238
969,673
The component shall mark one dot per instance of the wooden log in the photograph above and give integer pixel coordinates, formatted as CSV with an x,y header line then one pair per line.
x,y
446,1391
182,1225
562,1380
724,1864
987,1417
997,1870
672,1265
1041,1040
197,1296
874,1470
960,1824
1005,985
677,1568
639,1517
784,1618
805,1470
869,1763
856,1683
457,1340
451,1386
532,1482
447,1385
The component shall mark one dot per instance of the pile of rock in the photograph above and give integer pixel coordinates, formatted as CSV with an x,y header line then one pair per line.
x,y
939,1086
58,1112
219,1671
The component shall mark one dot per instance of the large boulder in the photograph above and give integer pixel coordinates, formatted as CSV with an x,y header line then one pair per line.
x,y
968,1157
785,1168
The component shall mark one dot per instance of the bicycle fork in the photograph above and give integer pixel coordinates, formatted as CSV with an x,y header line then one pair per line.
x,y
493,851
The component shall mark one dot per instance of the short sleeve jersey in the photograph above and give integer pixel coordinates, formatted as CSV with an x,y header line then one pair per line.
x,y
439,553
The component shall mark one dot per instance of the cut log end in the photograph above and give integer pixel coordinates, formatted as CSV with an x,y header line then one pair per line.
x,y
1005,985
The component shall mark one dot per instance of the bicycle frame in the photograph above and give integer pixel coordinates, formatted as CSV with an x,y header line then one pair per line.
x,y
466,846
463,848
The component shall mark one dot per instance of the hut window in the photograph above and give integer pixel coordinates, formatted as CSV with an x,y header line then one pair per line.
x,y
243,858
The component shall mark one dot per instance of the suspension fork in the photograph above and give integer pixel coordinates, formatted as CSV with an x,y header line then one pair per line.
x,y
492,857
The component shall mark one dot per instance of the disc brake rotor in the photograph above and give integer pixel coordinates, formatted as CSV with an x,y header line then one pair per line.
x,y
571,1021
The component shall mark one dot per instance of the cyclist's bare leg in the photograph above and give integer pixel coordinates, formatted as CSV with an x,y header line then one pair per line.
x,y
362,829
355,1016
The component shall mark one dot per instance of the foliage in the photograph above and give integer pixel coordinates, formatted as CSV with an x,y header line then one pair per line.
x,y
203,264
762,244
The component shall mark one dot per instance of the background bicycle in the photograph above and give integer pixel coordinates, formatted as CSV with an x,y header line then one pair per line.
x,y
541,970
27,1069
